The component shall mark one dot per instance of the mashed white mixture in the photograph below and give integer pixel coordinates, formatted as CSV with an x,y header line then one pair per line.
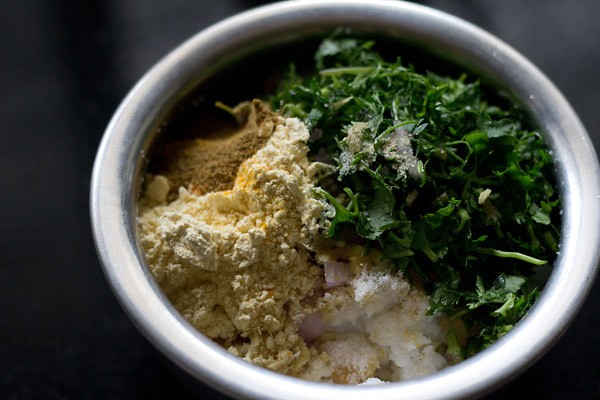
x,y
249,268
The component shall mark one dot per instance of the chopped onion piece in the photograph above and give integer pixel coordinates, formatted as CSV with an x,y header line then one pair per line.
x,y
336,273
312,326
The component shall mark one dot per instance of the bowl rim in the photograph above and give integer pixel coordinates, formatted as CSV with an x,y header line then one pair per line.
x,y
121,155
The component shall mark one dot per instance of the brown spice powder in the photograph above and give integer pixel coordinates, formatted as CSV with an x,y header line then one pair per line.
x,y
210,163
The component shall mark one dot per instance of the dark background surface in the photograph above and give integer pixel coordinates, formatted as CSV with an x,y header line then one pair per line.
x,y
64,68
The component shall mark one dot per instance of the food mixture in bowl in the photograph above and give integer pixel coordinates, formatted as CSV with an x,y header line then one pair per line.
x,y
363,223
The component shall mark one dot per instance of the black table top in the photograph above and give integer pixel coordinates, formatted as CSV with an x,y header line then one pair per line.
x,y
64,68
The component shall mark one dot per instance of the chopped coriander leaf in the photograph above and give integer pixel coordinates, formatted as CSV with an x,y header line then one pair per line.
x,y
453,186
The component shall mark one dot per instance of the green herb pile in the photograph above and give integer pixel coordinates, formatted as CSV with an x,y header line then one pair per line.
x,y
445,178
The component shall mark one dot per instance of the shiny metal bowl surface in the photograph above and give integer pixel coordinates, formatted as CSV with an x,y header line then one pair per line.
x,y
121,160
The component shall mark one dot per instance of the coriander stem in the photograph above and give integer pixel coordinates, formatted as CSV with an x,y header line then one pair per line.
x,y
430,253
401,254
510,254
458,314
345,70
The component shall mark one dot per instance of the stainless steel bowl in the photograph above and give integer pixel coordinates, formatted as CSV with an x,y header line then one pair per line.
x,y
121,159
